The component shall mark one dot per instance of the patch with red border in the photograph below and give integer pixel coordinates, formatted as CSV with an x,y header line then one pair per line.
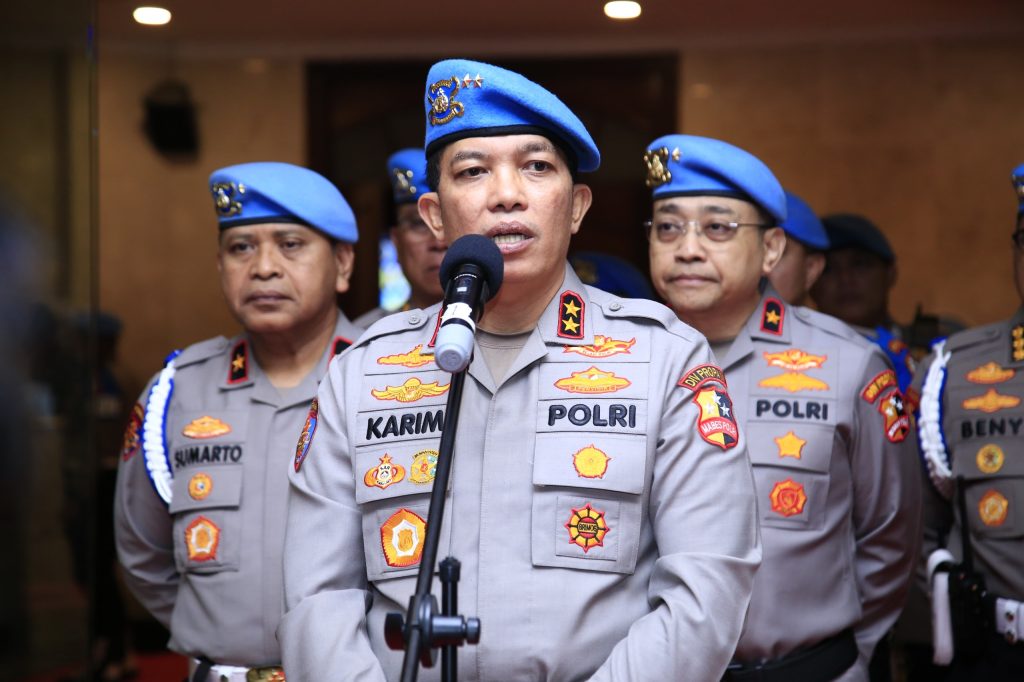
x,y
773,316
570,315
306,437
402,537
701,375
896,421
132,440
716,423
587,528
883,380
202,537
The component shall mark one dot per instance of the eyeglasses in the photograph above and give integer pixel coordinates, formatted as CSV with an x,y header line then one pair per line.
x,y
665,231
1018,239
416,229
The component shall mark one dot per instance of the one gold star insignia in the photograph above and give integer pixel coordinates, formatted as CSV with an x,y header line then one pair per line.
x,y
570,325
790,445
238,363
571,309
466,80
675,154
772,317
478,81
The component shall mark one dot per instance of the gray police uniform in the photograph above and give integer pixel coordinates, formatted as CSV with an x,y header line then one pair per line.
x,y
971,424
370,316
199,507
603,515
838,488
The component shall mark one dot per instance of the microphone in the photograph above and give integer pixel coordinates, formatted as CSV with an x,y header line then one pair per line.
x,y
471,275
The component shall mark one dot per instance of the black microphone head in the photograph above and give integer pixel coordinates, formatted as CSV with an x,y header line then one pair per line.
x,y
477,250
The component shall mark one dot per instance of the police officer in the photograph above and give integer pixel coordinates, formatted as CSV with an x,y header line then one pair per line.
x,y
819,410
970,434
419,251
803,258
199,508
603,515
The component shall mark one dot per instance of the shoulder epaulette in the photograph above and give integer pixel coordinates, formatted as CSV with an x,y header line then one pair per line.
x,y
154,430
833,326
614,306
203,350
970,337
395,323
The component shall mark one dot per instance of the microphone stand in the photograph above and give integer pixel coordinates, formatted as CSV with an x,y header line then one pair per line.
x,y
425,628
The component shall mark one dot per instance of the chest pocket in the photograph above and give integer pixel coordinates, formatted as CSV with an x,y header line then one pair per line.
x,y
588,500
393,484
993,470
791,462
207,519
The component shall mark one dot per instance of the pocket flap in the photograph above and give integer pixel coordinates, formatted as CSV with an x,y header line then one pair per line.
x,y
208,488
596,461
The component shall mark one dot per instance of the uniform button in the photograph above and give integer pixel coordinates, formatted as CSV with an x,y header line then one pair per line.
x,y
414,319
614,306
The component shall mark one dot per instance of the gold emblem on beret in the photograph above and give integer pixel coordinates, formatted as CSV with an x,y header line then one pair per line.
x,y
401,179
224,198
656,161
443,106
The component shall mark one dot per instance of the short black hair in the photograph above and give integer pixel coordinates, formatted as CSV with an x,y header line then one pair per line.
x,y
434,162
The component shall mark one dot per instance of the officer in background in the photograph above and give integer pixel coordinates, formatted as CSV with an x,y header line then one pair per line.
x,y
970,434
603,515
838,490
803,258
200,502
419,251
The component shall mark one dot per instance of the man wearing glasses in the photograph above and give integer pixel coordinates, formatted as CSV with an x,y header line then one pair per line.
x,y
419,251
819,410
969,423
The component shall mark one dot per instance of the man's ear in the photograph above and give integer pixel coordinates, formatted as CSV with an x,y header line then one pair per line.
x,y
774,241
345,258
582,198
429,206
815,264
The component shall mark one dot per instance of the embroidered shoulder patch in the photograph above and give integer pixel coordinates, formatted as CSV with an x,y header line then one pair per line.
x,y
700,375
773,316
896,421
570,315
132,440
881,381
306,437
716,423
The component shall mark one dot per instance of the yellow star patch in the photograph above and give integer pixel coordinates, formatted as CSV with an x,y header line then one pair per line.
x,y
238,363
571,325
572,309
772,317
790,445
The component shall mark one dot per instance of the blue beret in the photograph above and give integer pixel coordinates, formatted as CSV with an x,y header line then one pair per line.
x,y
407,170
273,192
472,99
802,224
687,165
849,230
1018,185
613,274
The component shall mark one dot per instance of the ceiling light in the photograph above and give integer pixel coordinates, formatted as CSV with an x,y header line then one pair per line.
x,y
622,9
151,16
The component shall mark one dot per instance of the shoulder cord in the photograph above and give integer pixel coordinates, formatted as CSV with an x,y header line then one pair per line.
x,y
154,431
929,423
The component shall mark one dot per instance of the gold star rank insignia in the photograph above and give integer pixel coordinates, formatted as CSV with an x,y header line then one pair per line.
x,y
239,368
570,315
790,445
773,316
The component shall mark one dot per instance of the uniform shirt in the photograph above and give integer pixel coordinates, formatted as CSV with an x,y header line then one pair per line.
x,y
599,533
838,487
370,316
208,566
978,400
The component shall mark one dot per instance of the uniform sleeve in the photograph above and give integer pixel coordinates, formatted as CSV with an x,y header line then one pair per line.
x,y
886,508
323,633
143,533
703,512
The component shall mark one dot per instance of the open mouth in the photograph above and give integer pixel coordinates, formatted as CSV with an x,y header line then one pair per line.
x,y
510,236
502,239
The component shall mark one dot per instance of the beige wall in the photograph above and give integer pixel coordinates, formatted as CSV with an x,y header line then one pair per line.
x,y
920,136
158,231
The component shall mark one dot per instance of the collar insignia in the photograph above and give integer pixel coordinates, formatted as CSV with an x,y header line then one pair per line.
x,y
414,358
772,316
570,315
384,474
339,344
587,528
205,427
590,462
402,537
226,198
238,371
592,380
656,161
992,401
441,97
990,373
788,498
412,390
603,347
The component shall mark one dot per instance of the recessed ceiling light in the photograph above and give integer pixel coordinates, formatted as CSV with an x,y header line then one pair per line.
x,y
151,16
622,9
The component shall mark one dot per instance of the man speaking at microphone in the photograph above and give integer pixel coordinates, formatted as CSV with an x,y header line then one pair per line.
x,y
603,515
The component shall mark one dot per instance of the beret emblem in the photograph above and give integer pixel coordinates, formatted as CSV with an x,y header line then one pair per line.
x,y
224,200
441,97
401,178
656,161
